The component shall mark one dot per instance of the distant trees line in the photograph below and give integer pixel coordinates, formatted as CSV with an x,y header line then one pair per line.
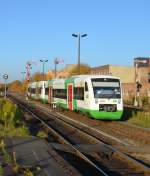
x,y
21,86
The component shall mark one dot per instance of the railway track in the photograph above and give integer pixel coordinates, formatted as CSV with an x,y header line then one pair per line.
x,y
105,159
90,166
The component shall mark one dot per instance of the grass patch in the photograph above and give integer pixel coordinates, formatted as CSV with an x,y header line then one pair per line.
x,y
41,134
141,119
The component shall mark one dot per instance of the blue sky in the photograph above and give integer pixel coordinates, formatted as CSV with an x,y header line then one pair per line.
x,y
118,31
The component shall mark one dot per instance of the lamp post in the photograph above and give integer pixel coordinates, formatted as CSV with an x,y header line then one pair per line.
x,y
56,61
23,75
79,36
5,76
43,61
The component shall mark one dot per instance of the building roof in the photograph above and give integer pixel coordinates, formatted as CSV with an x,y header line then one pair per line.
x,y
110,65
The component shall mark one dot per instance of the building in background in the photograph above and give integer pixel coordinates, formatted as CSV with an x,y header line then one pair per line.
x,y
143,69
125,73
127,76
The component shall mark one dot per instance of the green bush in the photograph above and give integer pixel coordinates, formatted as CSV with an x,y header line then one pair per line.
x,y
10,120
141,119
9,113
144,100
129,101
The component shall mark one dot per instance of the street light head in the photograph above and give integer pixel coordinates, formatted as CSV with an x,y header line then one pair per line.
x,y
84,35
74,35
46,60
41,60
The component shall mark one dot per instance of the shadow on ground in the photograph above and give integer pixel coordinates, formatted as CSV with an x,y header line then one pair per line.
x,y
128,113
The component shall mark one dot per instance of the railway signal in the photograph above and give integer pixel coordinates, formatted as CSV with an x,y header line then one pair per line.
x,y
28,68
138,86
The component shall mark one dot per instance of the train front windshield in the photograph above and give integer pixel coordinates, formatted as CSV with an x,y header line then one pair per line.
x,y
106,88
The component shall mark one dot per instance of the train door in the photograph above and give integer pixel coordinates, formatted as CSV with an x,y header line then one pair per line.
x,y
70,97
86,94
50,94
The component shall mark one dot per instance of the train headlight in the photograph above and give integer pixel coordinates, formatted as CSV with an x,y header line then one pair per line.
x,y
119,101
96,100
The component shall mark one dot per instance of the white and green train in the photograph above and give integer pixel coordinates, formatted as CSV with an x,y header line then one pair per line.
x,y
99,96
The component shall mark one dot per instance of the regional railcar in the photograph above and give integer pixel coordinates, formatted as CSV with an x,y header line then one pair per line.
x,y
98,96
38,91
32,90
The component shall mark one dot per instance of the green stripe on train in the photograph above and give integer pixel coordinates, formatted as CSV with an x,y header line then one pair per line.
x,y
97,114
43,100
102,114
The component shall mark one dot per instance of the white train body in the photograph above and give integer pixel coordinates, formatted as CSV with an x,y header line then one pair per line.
x,y
98,96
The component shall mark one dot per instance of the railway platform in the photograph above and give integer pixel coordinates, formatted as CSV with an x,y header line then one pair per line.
x,y
37,155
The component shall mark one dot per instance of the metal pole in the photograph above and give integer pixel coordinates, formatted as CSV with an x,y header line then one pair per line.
x,y
55,67
43,61
43,71
135,99
5,89
23,76
79,54
30,73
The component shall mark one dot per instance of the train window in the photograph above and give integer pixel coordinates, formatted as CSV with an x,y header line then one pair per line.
x,y
53,94
33,90
38,90
106,88
86,86
46,91
79,93
60,93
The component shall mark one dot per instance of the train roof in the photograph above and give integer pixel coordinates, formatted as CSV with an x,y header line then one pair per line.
x,y
76,77
94,76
